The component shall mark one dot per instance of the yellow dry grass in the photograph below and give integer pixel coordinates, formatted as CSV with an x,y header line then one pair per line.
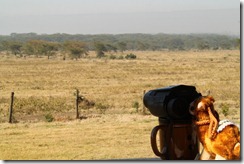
x,y
120,132
107,137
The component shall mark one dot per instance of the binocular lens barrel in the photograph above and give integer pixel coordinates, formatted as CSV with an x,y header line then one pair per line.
x,y
171,102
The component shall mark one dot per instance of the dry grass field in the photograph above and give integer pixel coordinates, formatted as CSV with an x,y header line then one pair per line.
x,y
114,128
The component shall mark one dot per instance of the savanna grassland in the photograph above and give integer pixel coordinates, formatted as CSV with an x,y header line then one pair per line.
x,y
115,127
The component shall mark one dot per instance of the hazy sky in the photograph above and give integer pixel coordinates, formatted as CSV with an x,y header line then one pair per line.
x,y
119,16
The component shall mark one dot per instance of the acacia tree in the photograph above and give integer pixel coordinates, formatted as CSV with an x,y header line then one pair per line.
x,y
34,47
77,49
49,48
16,48
110,48
13,46
40,47
100,48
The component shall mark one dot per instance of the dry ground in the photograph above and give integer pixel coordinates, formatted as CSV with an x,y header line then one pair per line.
x,y
119,131
107,137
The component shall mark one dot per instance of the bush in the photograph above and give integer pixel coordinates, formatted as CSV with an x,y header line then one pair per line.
x,y
121,57
49,117
116,57
225,109
135,105
130,56
112,57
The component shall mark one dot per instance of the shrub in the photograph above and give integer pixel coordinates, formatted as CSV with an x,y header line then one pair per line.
x,y
49,117
112,57
135,105
225,109
130,56
121,57
116,57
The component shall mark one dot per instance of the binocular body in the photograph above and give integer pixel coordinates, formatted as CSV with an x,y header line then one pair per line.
x,y
175,132
171,102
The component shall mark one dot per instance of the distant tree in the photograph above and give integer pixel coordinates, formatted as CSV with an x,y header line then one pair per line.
x,y
224,44
28,48
100,48
111,48
77,49
1,46
176,44
122,46
15,47
133,41
49,48
203,45
141,46
5,46
238,43
34,47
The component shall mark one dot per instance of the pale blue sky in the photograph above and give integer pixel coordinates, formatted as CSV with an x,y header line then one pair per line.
x,y
120,16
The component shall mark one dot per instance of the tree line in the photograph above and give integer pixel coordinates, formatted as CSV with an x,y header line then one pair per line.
x,y
74,49
79,45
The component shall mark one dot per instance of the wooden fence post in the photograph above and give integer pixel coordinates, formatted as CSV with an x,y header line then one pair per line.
x,y
77,103
11,108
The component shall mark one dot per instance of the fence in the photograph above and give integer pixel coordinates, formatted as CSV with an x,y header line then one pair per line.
x,y
36,109
33,109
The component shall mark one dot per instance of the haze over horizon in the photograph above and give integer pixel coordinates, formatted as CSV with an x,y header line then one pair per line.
x,y
120,16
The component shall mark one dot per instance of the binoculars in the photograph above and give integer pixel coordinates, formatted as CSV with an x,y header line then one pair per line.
x,y
175,132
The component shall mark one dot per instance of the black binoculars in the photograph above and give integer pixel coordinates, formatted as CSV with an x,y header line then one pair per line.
x,y
171,102
177,136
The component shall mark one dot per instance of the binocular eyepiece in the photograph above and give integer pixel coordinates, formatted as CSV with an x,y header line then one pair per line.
x,y
171,102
